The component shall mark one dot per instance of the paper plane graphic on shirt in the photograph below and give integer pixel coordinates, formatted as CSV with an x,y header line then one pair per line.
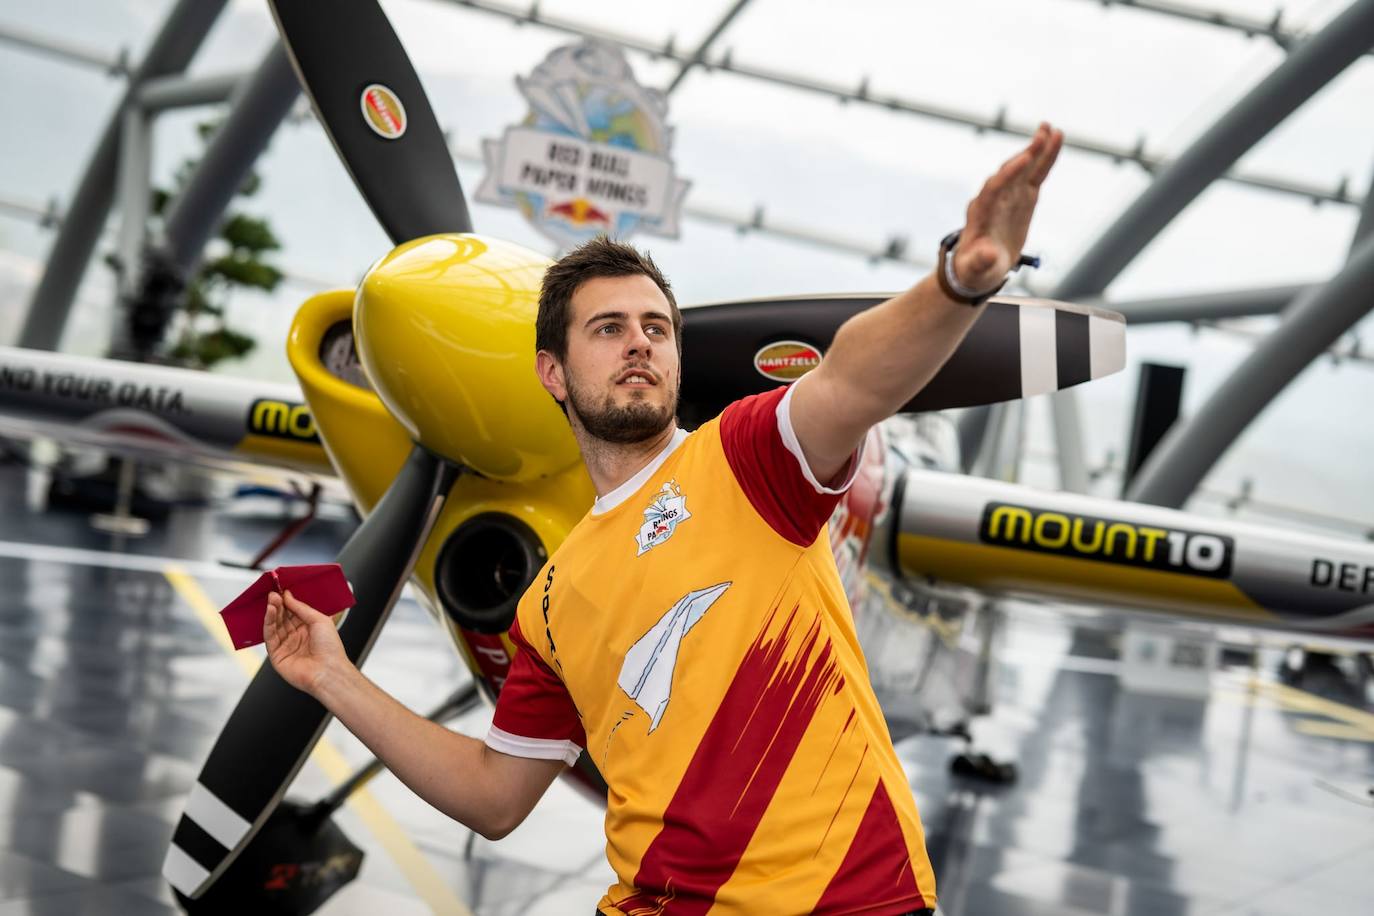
x,y
647,673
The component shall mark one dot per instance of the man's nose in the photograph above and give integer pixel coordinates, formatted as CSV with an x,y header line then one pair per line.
x,y
637,343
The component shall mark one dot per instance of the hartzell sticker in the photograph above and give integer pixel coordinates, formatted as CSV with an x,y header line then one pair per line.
x,y
786,360
383,112
1106,540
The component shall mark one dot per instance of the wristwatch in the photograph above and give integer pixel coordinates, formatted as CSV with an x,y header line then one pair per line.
x,y
949,283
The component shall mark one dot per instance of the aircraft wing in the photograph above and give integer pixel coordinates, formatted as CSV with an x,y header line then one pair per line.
x,y
1017,540
181,414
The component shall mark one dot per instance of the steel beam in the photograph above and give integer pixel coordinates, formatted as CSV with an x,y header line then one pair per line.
x,y
1192,308
1307,68
184,92
1272,28
1348,349
176,43
256,111
999,452
1315,321
46,215
860,93
699,55
1239,303
1365,227
134,180
1318,317
259,105
1070,454
65,50
972,428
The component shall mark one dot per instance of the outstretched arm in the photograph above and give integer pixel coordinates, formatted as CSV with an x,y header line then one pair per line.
x,y
883,356
486,790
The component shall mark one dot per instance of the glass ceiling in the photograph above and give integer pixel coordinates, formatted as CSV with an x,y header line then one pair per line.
x,y
858,173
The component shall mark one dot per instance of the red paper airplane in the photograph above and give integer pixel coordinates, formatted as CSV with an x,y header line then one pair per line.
x,y
322,586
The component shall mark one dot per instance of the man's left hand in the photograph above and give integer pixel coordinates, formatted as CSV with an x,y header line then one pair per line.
x,y
999,217
882,356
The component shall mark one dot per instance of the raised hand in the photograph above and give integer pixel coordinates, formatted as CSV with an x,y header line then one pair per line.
x,y
302,643
999,217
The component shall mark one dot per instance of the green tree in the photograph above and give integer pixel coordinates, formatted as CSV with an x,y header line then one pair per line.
x,y
234,259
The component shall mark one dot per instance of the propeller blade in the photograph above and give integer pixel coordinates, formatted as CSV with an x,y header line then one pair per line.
x,y
370,101
273,728
1018,347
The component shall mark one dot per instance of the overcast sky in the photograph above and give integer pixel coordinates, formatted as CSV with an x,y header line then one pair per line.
x,y
1104,73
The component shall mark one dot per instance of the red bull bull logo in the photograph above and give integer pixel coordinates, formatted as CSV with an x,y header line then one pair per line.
x,y
580,212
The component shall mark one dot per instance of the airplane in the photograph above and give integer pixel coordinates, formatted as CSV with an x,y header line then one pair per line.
x,y
417,390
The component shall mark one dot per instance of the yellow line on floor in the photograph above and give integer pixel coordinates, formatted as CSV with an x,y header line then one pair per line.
x,y
1342,730
1293,698
437,895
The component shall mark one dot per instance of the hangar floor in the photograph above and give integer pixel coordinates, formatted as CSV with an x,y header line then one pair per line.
x,y
1252,800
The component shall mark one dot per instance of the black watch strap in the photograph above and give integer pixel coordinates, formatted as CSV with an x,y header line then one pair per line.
x,y
949,282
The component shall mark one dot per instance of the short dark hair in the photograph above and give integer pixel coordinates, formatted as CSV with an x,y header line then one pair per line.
x,y
601,257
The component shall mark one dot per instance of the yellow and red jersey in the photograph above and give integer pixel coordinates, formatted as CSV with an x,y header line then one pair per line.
x,y
692,634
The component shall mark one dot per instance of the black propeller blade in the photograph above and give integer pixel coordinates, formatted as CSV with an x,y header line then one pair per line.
x,y
1018,347
274,726
369,98
371,103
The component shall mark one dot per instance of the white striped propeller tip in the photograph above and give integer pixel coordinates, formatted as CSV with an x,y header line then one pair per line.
x,y
1063,344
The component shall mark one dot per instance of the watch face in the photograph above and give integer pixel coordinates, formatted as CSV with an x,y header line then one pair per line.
x,y
340,356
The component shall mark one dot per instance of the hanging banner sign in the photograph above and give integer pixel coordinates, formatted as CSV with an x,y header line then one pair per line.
x,y
592,155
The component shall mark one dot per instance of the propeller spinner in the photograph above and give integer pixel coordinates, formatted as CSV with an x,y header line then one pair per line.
x,y
445,330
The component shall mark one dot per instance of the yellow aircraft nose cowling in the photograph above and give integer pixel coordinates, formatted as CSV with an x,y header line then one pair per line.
x,y
445,330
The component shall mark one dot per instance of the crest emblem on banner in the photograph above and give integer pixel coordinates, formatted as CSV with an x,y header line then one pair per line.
x,y
592,154
665,512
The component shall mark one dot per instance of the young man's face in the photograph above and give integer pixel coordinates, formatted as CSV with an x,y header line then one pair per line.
x,y
621,375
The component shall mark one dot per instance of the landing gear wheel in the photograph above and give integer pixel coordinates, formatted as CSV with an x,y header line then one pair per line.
x,y
983,768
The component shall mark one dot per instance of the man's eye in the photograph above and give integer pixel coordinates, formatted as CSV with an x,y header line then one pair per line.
x,y
655,329
607,328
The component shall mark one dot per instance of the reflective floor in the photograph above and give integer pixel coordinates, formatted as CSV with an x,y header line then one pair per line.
x,y
1251,799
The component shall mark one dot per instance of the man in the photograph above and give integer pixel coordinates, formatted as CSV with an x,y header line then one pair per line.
x,y
691,634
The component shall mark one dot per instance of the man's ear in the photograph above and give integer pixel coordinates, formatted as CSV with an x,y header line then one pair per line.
x,y
550,372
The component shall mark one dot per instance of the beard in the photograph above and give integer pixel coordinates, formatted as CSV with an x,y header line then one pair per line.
x,y
622,424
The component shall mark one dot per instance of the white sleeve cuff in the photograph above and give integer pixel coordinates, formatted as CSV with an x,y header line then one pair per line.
x,y
533,748
789,440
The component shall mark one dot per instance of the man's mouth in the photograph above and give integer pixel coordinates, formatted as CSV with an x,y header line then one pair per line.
x,y
634,377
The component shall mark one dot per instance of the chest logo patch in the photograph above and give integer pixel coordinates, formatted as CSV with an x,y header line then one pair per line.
x,y
647,672
667,510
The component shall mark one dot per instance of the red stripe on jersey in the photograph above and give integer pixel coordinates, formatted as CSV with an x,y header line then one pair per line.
x,y
533,702
769,474
736,769
875,876
491,656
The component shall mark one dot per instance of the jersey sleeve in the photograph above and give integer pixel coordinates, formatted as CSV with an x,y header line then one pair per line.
x,y
767,460
535,717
